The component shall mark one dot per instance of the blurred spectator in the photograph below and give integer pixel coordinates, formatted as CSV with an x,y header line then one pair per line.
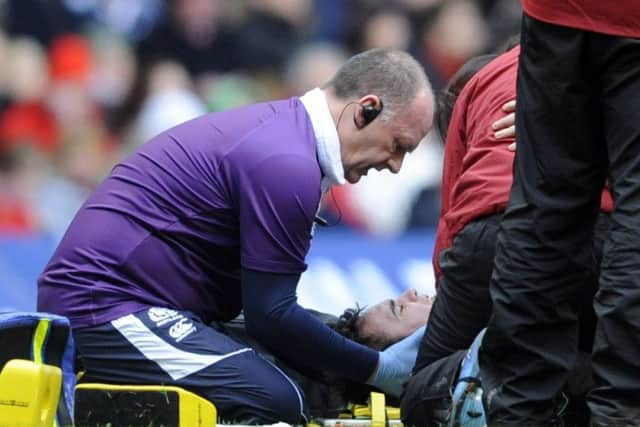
x,y
312,65
232,90
28,124
386,27
28,137
503,20
273,30
114,71
70,58
194,35
38,19
4,74
80,164
457,33
70,68
331,20
170,101
26,76
132,19
418,6
20,170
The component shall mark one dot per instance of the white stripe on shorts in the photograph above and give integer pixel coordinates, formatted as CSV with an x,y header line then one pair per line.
x,y
175,362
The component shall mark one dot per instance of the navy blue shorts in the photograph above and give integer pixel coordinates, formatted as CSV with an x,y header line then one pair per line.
x,y
171,347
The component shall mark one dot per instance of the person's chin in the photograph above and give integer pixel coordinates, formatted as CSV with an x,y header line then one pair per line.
x,y
353,178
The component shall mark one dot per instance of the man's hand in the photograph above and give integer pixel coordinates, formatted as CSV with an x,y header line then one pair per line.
x,y
395,364
506,126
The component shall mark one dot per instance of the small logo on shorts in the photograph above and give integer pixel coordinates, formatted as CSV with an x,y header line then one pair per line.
x,y
181,329
161,316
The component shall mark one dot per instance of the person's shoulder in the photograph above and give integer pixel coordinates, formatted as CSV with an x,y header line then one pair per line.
x,y
506,62
284,113
498,76
276,120
274,127
278,141
508,58
282,106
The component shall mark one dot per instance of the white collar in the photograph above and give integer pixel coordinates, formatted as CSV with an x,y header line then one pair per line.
x,y
327,140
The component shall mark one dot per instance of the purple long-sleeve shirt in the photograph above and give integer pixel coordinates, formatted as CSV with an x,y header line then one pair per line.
x,y
174,223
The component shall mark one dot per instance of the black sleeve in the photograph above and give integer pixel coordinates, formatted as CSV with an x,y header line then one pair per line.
x,y
274,318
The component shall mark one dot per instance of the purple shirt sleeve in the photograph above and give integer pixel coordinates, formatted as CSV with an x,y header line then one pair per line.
x,y
277,204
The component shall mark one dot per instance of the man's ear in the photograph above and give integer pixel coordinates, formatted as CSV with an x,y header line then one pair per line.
x,y
370,108
369,113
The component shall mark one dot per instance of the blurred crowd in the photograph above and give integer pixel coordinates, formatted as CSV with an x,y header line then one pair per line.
x,y
84,82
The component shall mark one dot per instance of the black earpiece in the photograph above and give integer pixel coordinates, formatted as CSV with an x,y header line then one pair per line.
x,y
369,113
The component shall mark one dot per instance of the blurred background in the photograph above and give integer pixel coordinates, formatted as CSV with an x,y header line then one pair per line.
x,y
85,82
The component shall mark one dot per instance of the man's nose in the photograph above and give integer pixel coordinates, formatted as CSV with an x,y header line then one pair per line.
x,y
395,163
410,295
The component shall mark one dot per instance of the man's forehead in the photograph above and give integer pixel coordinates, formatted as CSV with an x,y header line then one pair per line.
x,y
411,133
423,107
416,121
382,307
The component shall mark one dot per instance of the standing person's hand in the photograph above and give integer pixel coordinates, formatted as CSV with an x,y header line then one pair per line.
x,y
505,127
395,364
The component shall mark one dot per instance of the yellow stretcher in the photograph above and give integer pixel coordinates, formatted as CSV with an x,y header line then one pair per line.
x,y
130,405
29,394
101,404
375,414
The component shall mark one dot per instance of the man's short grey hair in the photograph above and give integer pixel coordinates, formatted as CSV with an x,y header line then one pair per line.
x,y
393,75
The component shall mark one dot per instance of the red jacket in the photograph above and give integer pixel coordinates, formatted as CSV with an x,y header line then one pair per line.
x,y
614,17
477,170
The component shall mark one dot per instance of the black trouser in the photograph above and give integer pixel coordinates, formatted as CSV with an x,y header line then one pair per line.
x,y
461,311
578,122
426,401
463,305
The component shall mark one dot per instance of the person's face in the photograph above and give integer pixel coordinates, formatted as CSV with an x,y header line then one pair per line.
x,y
383,144
391,320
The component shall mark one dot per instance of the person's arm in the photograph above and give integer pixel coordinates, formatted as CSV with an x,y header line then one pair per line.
x,y
274,318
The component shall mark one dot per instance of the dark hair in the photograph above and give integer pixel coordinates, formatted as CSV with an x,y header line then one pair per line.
x,y
347,324
446,99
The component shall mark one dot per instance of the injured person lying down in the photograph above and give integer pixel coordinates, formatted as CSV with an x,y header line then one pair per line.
x,y
378,326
